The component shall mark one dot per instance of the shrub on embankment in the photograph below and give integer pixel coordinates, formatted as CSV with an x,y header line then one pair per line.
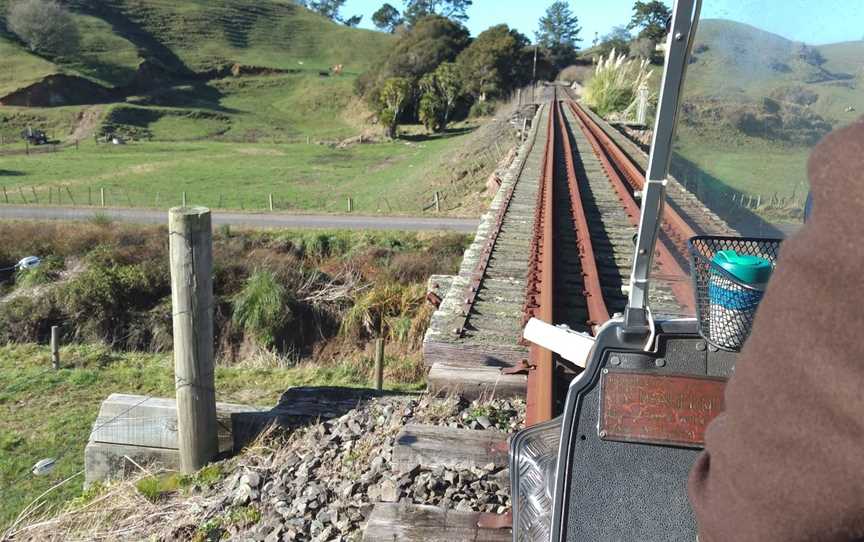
x,y
292,294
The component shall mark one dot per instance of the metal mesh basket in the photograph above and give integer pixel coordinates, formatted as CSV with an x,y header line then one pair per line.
x,y
726,306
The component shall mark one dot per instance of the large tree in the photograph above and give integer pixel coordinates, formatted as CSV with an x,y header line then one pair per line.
x,y
619,39
449,83
330,9
327,8
451,9
416,52
494,63
559,33
430,42
392,101
44,25
387,18
650,18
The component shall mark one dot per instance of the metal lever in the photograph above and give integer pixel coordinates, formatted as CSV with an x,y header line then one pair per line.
x,y
637,316
570,345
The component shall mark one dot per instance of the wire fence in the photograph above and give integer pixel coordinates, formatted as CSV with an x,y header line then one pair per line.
x,y
101,196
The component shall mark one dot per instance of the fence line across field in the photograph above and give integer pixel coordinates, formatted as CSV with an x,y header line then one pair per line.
x,y
105,197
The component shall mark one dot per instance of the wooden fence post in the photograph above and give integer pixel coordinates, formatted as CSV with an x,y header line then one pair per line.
x,y
102,196
89,195
55,347
270,198
350,205
183,200
437,202
191,259
379,364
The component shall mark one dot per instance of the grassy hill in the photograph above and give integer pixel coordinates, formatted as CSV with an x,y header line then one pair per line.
x,y
201,35
165,54
165,78
755,103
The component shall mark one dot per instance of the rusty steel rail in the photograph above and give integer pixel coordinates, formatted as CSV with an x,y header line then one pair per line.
x,y
677,230
598,314
541,295
675,226
539,298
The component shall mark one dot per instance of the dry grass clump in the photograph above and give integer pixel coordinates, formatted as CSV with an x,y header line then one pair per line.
x,y
615,84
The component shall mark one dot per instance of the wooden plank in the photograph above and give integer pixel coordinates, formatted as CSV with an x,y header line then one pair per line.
x,y
462,353
474,382
435,446
422,523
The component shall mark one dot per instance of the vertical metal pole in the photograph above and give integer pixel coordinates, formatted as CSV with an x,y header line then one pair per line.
x,y
183,199
55,347
379,364
350,205
191,261
271,201
534,75
685,16
102,196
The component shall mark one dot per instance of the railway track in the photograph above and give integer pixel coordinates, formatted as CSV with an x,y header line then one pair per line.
x,y
558,245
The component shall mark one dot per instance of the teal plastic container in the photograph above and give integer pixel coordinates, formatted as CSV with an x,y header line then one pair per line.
x,y
734,295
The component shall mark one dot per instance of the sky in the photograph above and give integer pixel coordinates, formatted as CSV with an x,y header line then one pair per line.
x,y
812,21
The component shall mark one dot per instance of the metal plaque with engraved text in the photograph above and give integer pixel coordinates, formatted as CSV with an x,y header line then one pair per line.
x,y
658,409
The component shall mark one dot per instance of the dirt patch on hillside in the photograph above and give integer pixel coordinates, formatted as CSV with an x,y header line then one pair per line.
x,y
87,122
59,89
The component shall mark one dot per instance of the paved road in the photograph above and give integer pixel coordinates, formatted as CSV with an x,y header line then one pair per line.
x,y
251,220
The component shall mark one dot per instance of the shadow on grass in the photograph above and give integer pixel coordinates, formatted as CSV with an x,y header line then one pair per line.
x,y
713,191
450,132
11,173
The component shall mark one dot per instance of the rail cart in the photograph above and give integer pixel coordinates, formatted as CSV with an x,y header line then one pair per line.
x,y
614,464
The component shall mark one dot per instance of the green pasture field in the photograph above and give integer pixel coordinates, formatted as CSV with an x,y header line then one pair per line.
x,y
752,169
386,177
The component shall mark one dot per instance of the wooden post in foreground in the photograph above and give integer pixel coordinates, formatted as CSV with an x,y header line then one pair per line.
x,y
350,205
379,364
191,260
102,196
437,202
270,198
55,347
